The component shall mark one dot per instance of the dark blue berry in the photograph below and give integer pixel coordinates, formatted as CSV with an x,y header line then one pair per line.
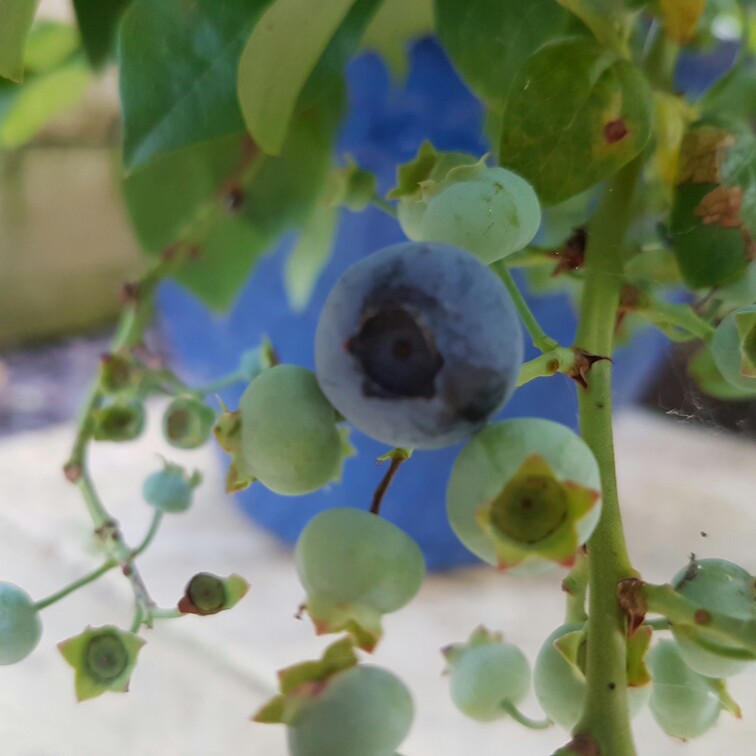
x,y
418,345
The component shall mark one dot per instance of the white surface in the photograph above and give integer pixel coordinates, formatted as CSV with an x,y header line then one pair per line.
x,y
199,679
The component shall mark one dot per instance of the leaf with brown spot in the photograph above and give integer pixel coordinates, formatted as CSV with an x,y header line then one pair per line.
x,y
702,153
721,206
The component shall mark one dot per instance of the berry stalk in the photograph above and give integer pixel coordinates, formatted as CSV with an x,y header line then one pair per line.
x,y
605,719
541,340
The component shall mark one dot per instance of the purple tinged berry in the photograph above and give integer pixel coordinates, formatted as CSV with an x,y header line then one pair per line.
x,y
418,345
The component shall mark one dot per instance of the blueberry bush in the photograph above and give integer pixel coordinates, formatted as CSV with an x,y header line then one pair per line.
x,y
604,175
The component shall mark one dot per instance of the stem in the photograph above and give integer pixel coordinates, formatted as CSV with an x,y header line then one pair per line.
x,y
575,585
541,341
220,383
525,721
108,531
678,316
384,205
136,314
397,457
681,612
90,577
157,518
559,360
658,624
136,623
530,258
605,717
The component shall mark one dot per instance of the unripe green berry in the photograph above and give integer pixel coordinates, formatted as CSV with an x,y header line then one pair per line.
x,y
684,703
20,626
717,586
487,675
207,593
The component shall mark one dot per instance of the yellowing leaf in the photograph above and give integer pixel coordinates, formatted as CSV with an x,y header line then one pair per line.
x,y
279,57
681,18
40,101
16,18
392,28
672,114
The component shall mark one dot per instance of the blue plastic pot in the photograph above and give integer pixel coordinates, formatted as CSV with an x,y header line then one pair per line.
x,y
385,126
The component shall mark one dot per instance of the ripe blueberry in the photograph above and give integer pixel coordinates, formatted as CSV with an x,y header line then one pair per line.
x,y
418,345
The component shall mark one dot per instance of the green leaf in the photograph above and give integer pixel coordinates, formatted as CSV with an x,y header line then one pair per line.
x,y
171,194
279,57
226,260
605,18
48,45
733,95
40,100
179,60
17,17
707,377
393,26
97,20
274,83
165,196
310,254
489,40
286,186
574,116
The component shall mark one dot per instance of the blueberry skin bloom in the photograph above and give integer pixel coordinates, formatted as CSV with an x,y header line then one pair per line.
x,y
418,345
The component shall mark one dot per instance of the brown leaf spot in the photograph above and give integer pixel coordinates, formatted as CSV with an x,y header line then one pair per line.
x,y
702,617
701,155
721,206
615,131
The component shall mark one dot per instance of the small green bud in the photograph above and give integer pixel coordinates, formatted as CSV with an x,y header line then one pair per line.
x,y
103,659
254,361
187,422
170,489
20,626
209,594
120,421
349,186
